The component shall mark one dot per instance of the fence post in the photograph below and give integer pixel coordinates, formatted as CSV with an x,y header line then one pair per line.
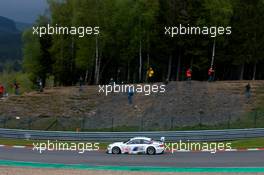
x,y
83,123
2,120
200,118
56,124
5,120
171,127
18,120
228,122
255,118
112,124
141,123
29,122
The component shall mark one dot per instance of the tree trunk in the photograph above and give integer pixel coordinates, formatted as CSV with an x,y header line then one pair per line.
x,y
90,78
169,68
242,72
148,65
140,62
72,60
134,77
60,79
254,71
213,55
178,68
96,72
148,61
128,72
86,76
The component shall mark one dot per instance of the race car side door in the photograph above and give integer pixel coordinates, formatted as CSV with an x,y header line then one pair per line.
x,y
134,146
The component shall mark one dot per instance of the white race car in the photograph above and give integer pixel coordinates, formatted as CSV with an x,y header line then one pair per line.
x,y
137,145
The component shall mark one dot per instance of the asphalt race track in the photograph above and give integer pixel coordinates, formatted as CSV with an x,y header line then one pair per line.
x,y
179,159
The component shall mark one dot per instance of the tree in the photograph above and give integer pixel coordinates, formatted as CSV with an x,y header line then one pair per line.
x,y
132,39
62,50
37,58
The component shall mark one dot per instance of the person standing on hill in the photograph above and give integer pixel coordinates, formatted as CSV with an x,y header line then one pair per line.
x,y
130,95
81,83
150,73
189,74
111,82
40,85
248,91
2,91
211,74
16,86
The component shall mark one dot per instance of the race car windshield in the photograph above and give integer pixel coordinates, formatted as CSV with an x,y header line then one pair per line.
x,y
126,141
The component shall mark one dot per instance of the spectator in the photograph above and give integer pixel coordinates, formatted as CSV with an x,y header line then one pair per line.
x,y
211,74
16,86
40,86
2,91
112,82
150,73
248,91
130,95
189,74
81,83
166,81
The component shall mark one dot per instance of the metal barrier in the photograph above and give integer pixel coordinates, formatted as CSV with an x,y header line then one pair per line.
x,y
201,135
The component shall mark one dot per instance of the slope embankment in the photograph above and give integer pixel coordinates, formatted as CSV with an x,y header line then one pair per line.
x,y
184,104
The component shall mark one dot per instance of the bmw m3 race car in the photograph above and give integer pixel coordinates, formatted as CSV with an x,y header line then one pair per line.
x,y
137,145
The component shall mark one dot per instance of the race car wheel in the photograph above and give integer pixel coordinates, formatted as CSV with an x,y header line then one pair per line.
x,y
151,150
116,150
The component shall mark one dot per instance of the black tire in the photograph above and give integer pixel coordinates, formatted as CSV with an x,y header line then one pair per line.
x,y
116,150
151,150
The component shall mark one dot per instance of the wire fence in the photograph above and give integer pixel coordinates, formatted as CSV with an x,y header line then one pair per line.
x,y
254,119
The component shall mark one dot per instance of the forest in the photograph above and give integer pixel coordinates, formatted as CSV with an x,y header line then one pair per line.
x,y
132,39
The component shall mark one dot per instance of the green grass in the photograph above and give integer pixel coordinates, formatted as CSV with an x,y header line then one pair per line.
x,y
23,142
18,142
249,143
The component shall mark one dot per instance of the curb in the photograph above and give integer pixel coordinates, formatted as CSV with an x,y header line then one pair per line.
x,y
227,150
15,146
131,168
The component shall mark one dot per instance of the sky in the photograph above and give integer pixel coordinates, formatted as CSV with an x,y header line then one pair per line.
x,y
22,10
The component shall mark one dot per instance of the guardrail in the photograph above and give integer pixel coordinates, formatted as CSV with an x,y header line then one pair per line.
x,y
201,135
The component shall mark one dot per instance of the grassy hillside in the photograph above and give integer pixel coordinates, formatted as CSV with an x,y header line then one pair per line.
x,y
199,105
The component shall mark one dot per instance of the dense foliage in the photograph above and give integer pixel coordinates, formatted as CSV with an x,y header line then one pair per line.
x,y
132,39
10,45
